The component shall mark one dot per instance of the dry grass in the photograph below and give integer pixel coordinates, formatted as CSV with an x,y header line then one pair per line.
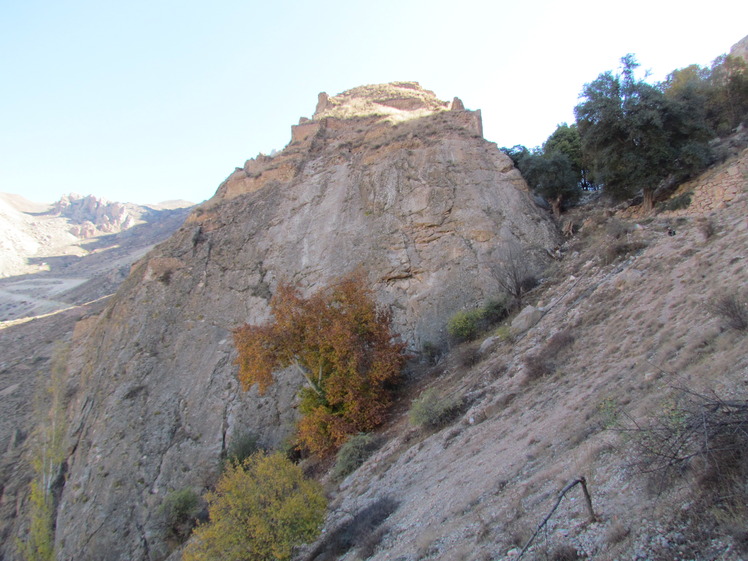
x,y
705,227
544,362
732,309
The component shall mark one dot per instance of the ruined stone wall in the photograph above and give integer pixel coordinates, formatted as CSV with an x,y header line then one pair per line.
x,y
715,189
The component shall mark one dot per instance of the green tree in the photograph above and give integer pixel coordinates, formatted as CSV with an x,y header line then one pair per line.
x,y
555,171
727,103
634,137
566,139
48,453
341,344
551,175
259,511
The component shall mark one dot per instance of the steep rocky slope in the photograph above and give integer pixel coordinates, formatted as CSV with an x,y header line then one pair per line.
x,y
66,278
386,178
628,338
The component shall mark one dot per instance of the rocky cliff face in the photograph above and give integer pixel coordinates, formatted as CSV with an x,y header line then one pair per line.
x,y
386,178
740,48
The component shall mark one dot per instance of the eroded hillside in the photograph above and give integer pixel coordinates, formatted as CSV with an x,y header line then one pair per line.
x,y
402,186
628,331
392,180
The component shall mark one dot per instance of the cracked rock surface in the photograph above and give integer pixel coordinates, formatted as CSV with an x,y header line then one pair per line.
x,y
412,194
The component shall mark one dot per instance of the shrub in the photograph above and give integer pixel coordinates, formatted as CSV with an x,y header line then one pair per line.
x,y
536,366
513,273
708,435
732,310
364,530
612,250
260,510
354,453
431,352
540,364
495,311
565,553
180,510
468,355
242,446
702,441
557,343
465,324
504,333
430,410
676,203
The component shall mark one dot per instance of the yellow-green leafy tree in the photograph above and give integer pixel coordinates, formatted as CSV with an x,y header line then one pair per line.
x,y
260,509
343,347
48,453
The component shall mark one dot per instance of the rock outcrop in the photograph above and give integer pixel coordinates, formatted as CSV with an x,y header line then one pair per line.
x,y
90,216
384,178
740,48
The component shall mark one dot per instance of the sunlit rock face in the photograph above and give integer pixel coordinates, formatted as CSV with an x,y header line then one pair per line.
x,y
386,179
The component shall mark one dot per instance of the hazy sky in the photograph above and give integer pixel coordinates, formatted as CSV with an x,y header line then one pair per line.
x,y
145,101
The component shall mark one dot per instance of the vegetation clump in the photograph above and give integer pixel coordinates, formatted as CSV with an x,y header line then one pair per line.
x,y
259,510
242,446
632,137
48,454
342,346
180,510
354,453
543,362
431,410
466,325
733,310
555,171
705,437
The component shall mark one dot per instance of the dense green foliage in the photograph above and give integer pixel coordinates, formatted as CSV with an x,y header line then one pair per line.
x,y
636,138
718,94
180,509
259,511
466,325
342,346
556,171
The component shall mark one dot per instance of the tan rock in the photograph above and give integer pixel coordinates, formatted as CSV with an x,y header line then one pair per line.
x,y
406,190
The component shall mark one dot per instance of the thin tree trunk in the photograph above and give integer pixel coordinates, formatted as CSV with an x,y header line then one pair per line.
x,y
648,204
556,206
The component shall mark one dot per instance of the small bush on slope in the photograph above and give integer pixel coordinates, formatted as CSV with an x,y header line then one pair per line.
x,y
466,325
180,510
431,410
732,310
354,453
260,510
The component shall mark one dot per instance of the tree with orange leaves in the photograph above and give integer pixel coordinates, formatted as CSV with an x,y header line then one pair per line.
x,y
341,344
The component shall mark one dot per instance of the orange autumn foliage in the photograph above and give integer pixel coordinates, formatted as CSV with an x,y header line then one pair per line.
x,y
341,343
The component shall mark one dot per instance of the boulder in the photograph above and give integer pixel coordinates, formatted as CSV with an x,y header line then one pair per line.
x,y
528,317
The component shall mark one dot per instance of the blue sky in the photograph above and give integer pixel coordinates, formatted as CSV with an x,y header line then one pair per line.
x,y
146,101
